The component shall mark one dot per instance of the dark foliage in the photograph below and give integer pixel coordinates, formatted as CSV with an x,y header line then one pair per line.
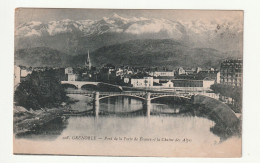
x,y
40,89
230,91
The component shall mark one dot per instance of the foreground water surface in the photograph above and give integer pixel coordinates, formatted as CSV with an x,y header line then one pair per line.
x,y
169,122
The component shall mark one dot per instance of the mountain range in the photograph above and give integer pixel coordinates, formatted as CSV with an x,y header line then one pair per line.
x,y
119,39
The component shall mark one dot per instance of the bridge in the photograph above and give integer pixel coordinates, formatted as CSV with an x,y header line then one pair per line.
x,y
80,84
219,112
146,97
139,95
216,108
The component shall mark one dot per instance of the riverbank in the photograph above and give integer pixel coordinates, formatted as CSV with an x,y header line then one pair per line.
x,y
25,121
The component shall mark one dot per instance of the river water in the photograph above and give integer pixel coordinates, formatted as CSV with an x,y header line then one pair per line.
x,y
175,126
166,121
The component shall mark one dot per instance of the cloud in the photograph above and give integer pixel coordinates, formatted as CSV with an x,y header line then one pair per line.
x,y
156,26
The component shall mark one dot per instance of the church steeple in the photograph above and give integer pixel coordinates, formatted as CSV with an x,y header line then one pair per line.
x,y
87,62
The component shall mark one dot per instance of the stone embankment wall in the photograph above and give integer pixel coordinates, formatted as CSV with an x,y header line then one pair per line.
x,y
222,112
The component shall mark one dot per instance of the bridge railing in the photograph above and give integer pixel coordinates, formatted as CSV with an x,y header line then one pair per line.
x,y
79,92
122,93
126,93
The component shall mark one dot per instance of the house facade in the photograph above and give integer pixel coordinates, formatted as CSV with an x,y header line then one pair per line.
x,y
231,72
142,82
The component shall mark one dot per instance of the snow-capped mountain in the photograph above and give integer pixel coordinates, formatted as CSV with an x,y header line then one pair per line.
x,y
107,24
75,37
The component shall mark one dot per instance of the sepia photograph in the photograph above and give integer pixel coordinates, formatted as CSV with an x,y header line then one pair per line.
x,y
128,82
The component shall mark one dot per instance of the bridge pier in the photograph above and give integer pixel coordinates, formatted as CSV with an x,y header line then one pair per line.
x,y
96,104
148,104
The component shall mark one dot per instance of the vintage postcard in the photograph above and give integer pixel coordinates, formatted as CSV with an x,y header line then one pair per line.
x,y
126,82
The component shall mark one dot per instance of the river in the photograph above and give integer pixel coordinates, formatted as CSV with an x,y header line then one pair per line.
x,y
167,123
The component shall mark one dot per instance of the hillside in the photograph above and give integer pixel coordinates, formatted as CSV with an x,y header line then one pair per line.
x,y
40,57
160,52
164,52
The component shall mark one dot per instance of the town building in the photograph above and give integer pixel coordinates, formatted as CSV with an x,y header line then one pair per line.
x,y
72,77
231,72
190,71
109,68
193,83
142,82
201,75
126,79
24,72
128,72
161,73
68,70
119,72
166,84
180,71
209,74
156,80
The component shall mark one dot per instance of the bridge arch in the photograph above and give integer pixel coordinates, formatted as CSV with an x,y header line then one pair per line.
x,y
67,85
162,96
88,84
79,84
117,95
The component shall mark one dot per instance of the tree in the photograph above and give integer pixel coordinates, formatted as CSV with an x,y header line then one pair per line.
x,y
40,89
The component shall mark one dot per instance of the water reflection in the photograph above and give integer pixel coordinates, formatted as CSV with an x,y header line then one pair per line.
x,y
120,104
168,119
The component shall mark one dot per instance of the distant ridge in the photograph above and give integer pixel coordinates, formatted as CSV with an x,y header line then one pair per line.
x,y
148,52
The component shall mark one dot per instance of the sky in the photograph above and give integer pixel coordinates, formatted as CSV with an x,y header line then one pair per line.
x,y
44,15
